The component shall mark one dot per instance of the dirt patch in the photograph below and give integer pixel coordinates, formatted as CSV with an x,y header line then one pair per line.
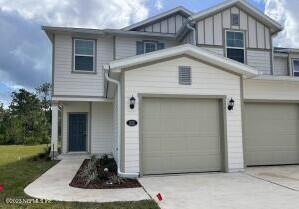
x,y
101,183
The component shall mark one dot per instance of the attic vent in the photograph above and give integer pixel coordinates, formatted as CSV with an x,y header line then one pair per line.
x,y
185,75
235,19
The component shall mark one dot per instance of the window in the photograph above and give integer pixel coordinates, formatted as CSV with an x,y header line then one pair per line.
x,y
143,47
296,67
235,46
185,75
235,18
84,55
150,47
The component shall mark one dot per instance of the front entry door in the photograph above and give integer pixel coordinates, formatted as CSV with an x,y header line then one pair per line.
x,y
77,132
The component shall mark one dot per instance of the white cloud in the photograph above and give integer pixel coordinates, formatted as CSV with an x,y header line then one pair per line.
x,y
286,13
159,4
78,13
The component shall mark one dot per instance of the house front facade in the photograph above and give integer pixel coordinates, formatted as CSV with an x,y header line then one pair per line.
x,y
178,92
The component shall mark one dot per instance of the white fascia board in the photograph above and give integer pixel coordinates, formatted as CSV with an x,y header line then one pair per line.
x,y
162,15
276,78
79,99
243,5
186,49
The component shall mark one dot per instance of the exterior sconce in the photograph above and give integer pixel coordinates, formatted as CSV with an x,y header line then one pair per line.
x,y
231,104
132,102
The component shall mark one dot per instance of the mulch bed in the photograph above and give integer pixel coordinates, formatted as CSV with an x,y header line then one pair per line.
x,y
79,182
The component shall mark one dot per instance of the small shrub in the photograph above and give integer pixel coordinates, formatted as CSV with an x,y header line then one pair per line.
x,y
116,180
90,172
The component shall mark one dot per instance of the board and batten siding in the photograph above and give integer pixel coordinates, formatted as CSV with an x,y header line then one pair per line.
x,y
162,78
210,30
126,46
258,89
280,66
170,24
69,83
99,128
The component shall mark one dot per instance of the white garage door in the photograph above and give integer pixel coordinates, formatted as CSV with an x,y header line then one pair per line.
x,y
271,134
180,135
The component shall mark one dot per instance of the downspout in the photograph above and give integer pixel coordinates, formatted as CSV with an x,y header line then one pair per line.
x,y
194,33
121,174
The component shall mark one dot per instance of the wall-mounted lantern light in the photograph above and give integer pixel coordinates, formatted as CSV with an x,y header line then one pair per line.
x,y
132,102
231,104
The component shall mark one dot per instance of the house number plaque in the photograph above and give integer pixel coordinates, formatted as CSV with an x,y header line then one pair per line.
x,y
131,122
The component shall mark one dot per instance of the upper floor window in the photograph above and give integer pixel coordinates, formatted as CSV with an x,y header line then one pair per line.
x,y
296,67
235,45
235,18
84,55
143,47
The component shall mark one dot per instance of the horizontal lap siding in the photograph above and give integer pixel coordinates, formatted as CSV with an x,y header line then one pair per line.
x,y
101,129
271,90
261,60
162,78
126,47
75,84
281,66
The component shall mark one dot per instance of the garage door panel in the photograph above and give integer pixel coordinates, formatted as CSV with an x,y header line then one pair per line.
x,y
183,135
271,135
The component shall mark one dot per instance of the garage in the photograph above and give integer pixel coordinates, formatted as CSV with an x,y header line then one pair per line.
x,y
181,135
271,134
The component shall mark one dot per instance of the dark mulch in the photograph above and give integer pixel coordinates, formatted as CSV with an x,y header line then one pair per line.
x,y
79,182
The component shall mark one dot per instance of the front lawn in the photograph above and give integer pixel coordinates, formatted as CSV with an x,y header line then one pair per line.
x,y
18,169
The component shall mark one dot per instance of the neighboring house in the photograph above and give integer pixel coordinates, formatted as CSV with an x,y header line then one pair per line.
x,y
178,92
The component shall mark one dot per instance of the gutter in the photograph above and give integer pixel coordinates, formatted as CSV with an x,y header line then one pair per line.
x,y
119,172
194,33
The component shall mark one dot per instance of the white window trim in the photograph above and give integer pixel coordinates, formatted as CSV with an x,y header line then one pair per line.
x,y
151,42
230,47
84,55
293,66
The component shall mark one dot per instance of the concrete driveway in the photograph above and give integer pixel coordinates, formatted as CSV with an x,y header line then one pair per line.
x,y
222,191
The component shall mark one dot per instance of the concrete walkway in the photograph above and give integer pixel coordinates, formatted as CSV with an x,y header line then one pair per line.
x,y
219,191
54,185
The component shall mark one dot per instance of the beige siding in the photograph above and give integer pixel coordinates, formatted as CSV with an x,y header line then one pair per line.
x,y
100,135
188,39
169,25
162,78
271,90
126,46
101,127
217,50
209,31
217,30
257,34
201,32
252,32
281,66
68,83
260,36
261,60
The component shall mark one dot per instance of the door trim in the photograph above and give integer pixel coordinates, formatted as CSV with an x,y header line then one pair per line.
x,y
222,116
87,130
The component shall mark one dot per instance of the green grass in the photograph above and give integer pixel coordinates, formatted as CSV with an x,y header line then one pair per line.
x,y
18,169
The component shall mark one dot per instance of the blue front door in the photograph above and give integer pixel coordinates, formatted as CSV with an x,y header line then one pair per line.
x,y
77,132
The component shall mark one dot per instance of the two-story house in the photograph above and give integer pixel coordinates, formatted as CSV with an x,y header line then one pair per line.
x,y
178,92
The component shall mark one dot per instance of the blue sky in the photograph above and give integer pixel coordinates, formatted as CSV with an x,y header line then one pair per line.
x,y
25,52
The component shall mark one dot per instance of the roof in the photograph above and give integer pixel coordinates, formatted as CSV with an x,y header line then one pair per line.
x,y
96,32
242,4
179,9
186,49
285,50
